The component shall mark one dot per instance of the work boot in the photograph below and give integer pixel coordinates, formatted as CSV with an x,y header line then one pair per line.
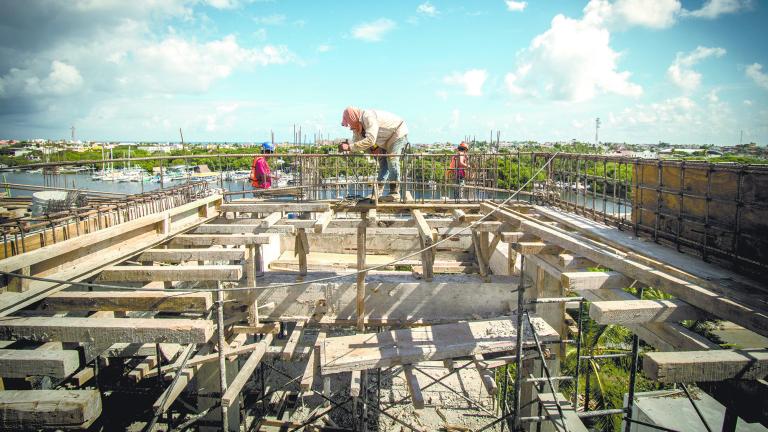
x,y
376,193
393,195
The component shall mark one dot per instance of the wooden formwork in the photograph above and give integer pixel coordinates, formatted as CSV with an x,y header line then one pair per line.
x,y
266,264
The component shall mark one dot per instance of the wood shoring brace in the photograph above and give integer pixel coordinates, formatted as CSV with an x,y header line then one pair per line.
x,y
426,240
234,389
360,298
301,248
293,341
413,387
313,364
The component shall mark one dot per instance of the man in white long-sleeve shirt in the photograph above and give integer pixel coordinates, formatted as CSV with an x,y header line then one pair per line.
x,y
385,135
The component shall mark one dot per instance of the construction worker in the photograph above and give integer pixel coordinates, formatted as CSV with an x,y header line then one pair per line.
x,y
261,175
460,162
384,135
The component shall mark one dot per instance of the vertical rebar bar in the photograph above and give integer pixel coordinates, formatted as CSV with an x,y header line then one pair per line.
x,y
633,370
519,345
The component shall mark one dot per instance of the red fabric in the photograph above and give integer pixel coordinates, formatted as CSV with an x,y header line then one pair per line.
x,y
351,118
260,170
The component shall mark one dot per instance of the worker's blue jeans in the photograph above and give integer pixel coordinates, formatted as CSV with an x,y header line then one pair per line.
x,y
389,163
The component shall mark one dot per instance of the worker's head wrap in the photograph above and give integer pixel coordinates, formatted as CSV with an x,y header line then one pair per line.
x,y
351,118
463,146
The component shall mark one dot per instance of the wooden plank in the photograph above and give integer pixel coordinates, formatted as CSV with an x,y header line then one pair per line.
x,y
293,341
406,346
173,391
643,311
313,364
268,207
219,239
706,366
36,409
172,273
594,280
511,236
305,224
179,255
246,370
487,376
176,301
662,336
488,226
570,262
536,248
226,229
270,219
426,240
354,383
21,363
417,399
322,221
133,330
262,328
750,316
302,249
140,370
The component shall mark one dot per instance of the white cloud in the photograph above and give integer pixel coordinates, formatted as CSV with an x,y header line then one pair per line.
x,y
472,81
755,71
274,19
373,31
646,13
516,6
63,79
427,8
442,95
714,8
747,102
681,72
455,119
179,65
324,48
571,61
223,4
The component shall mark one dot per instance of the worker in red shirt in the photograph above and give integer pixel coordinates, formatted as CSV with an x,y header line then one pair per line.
x,y
261,175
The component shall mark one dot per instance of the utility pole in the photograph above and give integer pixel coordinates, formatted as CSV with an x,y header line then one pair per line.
x,y
73,134
741,137
597,128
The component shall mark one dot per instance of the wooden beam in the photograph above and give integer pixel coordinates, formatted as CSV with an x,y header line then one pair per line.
x,y
219,239
354,383
270,219
179,255
301,249
44,409
133,330
138,373
173,391
175,301
246,370
322,221
313,364
750,316
458,215
232,228
266,207
426,240
406,346
206,358
417,399
643,311
486,375
21,363
172,273
536,248
488,226
570,262
293,341
511,236
594,280
706,366
360,293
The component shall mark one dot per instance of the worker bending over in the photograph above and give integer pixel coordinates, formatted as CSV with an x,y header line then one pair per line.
x,y
384,135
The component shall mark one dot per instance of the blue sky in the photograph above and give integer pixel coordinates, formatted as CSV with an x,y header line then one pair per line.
x,y
232,70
